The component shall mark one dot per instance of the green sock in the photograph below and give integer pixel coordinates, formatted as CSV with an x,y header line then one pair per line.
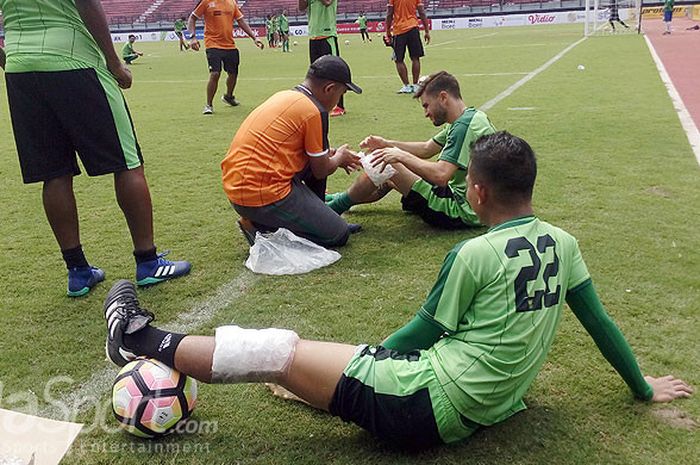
x,y
341,203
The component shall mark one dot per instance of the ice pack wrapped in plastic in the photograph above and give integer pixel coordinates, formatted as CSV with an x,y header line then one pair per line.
x,y
375,173
283,252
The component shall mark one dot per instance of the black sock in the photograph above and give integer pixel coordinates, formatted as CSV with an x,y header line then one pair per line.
x,y
74,258
145,256
155,343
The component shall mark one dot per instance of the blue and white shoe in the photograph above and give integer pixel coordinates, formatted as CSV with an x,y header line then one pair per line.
x,y
159,270
124,316
81,280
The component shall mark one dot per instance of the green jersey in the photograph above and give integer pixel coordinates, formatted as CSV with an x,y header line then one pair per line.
x,y
668,5
47,35
456,140
179,25
275,24
128,50
322,19
362,21
283,23
499,298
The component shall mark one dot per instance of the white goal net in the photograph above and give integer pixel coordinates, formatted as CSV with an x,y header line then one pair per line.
x,y
612,17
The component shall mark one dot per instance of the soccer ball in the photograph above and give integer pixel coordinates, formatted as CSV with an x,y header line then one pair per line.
x,y
347,42
296,43
150,399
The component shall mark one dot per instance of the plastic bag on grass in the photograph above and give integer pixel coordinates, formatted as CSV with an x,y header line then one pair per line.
x,y
283,252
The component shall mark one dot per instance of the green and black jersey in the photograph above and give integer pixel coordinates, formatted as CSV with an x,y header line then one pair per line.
x,y
47,35
499,298
128,50
362,22
283,24
179,25
322,19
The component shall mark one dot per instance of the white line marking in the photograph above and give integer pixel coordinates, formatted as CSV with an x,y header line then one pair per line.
x,y
482,36
89,393
522,108
691,130
506,93
442,43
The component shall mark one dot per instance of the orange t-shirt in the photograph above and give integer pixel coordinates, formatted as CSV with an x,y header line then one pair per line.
x,y
405,17
218,18
273,145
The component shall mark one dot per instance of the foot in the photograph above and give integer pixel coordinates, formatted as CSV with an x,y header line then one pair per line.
x,y
337,111
407,89
354,228
248,229
159,270
81,280
230,100
414,88
331,197
208,110
124,316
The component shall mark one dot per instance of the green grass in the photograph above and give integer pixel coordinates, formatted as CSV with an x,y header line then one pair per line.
x,y
615,170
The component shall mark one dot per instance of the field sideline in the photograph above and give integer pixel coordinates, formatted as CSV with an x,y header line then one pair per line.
x,y
615,170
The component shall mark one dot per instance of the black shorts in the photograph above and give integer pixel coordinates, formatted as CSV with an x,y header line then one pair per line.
x,y
56,114
218,56
416,203
410,39
179,34
322,47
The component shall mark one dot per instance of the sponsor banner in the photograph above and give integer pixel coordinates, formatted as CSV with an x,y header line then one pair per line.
x,y
151,36
658,11
531,19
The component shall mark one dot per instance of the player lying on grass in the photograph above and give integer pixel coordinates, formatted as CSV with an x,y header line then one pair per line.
x,y
435,190
467,358
275,170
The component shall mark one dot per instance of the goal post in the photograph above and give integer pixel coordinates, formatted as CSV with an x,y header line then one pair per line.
x,y
612,17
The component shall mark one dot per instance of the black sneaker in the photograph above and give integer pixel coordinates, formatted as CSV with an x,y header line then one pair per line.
x,y
230,100
124,316
354,228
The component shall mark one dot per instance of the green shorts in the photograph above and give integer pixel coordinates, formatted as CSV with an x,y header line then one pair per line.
x,y
398,398
438,206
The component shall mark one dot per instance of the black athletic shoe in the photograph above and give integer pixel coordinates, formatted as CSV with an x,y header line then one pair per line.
x,y
354,228
124,316
230,100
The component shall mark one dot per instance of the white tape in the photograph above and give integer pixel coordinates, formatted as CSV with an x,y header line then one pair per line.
x,y
252,355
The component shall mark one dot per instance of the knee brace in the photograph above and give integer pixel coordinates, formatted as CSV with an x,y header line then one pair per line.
x,y
252,355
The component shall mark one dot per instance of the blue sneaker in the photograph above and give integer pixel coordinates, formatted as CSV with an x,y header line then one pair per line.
x,y
159,270
81,280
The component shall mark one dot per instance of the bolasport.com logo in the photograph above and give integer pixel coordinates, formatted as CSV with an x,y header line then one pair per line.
x,y
541,19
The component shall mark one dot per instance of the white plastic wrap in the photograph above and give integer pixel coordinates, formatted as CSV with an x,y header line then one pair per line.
x,y
375,173
283,252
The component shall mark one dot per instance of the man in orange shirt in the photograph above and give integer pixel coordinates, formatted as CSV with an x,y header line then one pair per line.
x,y
219,16
274,172
402,23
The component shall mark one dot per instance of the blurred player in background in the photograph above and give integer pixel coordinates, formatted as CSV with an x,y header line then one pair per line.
x,y
434,190
128,52
284,30
268,31
467,358
323,34
403,32
668,15
63,77
218,16
362,23
614,15
179,26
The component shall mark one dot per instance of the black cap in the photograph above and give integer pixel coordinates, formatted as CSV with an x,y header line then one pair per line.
x,y
335,69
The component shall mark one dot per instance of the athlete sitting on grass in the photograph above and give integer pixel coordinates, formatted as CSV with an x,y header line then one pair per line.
x,y
467,358
432,189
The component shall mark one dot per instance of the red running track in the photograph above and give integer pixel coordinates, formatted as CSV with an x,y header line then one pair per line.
x,y
680,54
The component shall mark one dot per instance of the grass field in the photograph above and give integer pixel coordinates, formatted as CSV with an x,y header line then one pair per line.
x,y
615,170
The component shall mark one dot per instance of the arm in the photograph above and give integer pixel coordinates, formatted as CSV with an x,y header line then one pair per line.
x,y
192,29
426,25
244,25
93,16
303,5
586,305
437,173
389,19
326,164
424,150
2,58
415,335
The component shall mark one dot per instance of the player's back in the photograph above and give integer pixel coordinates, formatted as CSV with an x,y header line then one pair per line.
x,y
501,302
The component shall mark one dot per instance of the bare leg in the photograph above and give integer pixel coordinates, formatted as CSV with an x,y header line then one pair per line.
x,y
404,179
135,201
403,72
212,85
62,211
415,69
231,80
313,374
364,191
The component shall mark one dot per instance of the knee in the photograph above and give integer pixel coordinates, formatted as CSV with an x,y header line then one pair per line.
x,y
214,75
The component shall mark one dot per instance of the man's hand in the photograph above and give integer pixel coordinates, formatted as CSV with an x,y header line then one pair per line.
x,y
259,44
194,44
668,388
371,143
121,73
426,37
347,159
387,156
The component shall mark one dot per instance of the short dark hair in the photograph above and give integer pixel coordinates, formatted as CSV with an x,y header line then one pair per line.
x,y
506,163
436,83
131,36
